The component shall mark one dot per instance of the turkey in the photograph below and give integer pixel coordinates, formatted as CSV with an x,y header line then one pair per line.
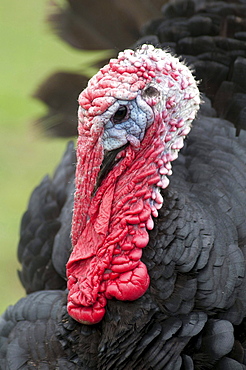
x,y
153,276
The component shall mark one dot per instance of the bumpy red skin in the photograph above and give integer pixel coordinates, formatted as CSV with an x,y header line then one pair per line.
x,y
110,228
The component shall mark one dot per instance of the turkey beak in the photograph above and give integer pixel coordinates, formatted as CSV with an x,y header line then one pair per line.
x,y
108,163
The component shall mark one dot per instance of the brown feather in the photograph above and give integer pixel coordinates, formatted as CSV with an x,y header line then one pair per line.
x,y
111,24
61,118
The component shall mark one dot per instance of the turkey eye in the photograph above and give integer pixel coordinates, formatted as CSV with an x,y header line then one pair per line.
x,y
120,114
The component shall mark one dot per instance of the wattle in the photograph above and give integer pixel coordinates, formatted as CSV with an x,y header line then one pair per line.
x,y
105,261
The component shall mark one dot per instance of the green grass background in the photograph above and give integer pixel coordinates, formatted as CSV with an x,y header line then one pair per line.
x,y
29,53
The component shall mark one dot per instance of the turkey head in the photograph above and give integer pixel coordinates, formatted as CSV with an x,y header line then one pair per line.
x,y
133,117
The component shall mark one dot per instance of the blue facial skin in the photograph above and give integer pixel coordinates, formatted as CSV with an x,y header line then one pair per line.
x,y
128,122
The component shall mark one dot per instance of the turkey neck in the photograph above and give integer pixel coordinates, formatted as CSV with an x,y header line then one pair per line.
x,y
105,261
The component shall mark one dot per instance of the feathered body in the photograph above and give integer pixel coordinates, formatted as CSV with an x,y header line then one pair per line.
x,y
191,312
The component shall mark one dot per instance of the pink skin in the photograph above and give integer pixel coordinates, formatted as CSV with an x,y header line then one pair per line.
x,y
110,227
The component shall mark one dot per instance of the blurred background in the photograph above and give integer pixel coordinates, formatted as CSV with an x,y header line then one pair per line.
x,y
30,52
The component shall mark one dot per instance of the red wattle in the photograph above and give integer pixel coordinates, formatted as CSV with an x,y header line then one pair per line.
x,y
87,315
130,285
105,261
